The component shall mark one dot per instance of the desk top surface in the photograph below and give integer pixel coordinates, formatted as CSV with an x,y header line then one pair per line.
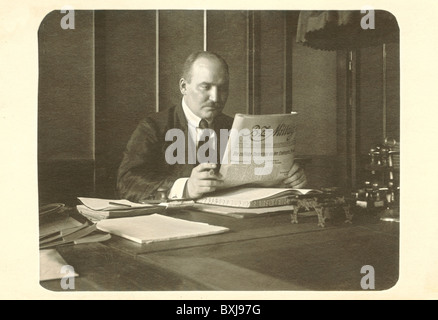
x,y
261,253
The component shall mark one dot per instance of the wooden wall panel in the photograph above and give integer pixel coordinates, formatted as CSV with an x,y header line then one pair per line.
x,y
227,35
314,98
370,98
180,33
65,88
343,124
393,90
65,109
272,62
290,27
125,85
379,81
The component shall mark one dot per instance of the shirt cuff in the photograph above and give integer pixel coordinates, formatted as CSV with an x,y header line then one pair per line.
x,y
178,188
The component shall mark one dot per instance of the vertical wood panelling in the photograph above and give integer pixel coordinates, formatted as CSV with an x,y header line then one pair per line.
x,y
125,84
342,123
65,99
157,60
65,109
393,90
181,33
290,27
205,27
254,34
272,62
379,103
371,98
384,98
353,116
227,35
314,98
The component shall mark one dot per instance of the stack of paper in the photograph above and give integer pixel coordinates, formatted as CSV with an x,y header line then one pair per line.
x,y
156,227
97,209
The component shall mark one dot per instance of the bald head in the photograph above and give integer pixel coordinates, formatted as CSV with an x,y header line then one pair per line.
x,y
204,84
192,58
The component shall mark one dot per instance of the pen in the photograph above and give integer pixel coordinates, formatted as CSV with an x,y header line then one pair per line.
x,y
119,204
180,203
152,201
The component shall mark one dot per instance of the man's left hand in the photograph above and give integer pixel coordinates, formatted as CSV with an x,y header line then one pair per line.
x,y
296,177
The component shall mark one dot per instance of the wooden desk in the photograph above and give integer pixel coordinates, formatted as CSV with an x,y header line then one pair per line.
x,y
258,254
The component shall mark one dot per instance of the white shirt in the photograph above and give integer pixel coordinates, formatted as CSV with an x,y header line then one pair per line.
x,y
178,189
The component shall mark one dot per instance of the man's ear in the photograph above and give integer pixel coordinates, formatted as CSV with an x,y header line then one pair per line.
x,y
183,85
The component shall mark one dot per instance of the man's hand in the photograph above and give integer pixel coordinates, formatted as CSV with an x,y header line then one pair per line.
x,y
203,180
296,177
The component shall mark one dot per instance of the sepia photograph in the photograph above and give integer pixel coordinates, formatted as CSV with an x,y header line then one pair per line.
x,y
138,111
218,157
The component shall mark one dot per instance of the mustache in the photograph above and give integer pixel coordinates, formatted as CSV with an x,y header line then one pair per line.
x,y
212,104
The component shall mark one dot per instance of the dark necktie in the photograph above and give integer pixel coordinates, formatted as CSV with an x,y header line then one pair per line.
x,y
203,124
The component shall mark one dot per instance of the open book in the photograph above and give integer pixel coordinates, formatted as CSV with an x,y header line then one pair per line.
x,y
236,212
260,149
253,197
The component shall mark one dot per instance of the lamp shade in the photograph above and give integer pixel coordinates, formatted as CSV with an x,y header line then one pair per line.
x,y
337,30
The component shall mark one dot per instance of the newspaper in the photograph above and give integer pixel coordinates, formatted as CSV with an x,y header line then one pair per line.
x,y
260,150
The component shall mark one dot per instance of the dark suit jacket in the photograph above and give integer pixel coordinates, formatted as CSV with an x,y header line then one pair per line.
x,y
144,168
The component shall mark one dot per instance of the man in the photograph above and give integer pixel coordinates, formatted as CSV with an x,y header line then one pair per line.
x,y
204,86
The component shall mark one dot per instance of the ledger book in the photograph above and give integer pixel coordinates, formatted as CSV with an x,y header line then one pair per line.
x,y
254,197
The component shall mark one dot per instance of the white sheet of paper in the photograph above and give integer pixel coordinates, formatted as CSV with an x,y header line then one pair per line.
x,y
156,227
51,264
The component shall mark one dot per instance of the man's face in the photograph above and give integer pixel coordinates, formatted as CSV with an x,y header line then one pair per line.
x,y
207,91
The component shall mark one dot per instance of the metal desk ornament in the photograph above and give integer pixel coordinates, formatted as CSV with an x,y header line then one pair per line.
x,y
323,204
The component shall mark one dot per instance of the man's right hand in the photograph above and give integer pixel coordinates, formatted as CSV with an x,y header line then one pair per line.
x,y
203,180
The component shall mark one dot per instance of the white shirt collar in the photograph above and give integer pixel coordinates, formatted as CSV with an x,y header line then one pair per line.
x,y
192,118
